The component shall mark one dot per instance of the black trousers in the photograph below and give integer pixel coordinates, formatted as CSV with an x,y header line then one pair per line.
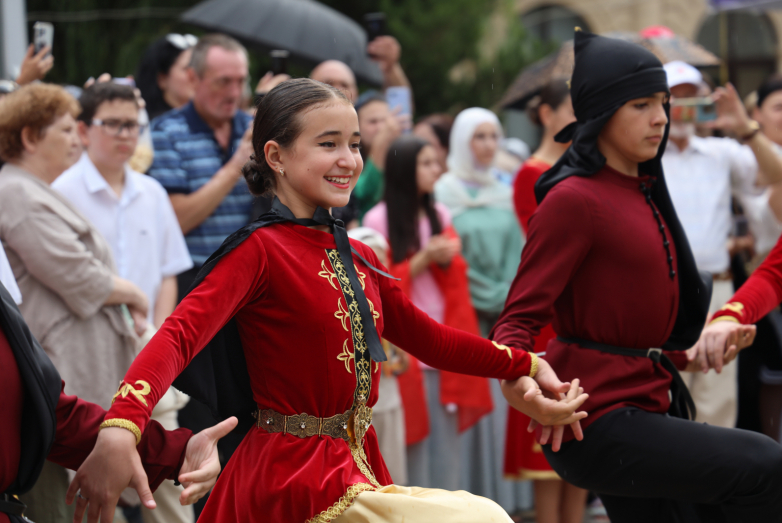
x,y
657,469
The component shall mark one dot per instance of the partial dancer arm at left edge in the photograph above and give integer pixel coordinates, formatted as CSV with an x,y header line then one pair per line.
x,y
731,330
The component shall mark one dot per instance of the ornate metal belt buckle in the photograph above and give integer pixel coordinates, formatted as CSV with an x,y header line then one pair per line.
x,y
361,420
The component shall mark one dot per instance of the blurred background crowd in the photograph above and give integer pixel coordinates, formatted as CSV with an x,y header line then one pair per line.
x,y
124,126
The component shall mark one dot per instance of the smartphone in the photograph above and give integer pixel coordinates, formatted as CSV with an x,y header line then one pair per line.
x,y
693,110
400,100
375,24
279,61
124,81
43,35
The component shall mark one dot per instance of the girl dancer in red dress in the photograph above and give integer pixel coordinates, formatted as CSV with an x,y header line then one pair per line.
x,y
307,316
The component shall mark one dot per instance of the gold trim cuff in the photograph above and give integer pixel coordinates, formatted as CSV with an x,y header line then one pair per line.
x,y
123,424
534,366
724,318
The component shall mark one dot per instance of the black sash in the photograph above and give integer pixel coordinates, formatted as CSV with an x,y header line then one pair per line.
x,y
682,404
218,376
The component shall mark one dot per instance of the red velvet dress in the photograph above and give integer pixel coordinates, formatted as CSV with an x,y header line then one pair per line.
x,y
524,457
281,287
760,293
78,424
594,266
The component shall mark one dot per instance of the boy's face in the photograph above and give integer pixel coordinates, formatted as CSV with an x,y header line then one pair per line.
x,y
105,145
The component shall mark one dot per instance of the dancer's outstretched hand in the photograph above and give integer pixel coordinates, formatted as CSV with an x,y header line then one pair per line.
x,y
112,466
544,406
202,464
718,345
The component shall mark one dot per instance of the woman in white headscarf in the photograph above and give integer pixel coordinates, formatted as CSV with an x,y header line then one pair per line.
x,y
481,206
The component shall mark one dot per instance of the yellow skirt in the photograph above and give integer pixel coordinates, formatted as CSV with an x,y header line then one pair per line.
x,y
395,504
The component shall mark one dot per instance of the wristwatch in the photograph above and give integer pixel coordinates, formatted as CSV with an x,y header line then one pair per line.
x,y
754,129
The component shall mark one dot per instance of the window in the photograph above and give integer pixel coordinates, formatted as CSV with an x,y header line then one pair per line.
x,y
751,47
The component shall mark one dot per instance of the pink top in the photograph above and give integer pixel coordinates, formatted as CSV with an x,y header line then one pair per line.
x,y
424,292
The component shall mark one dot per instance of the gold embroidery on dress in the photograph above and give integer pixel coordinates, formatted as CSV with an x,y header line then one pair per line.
x,y
342,315
503,347
346,356
325,273
375,314
735,306
363,366
336,510
127,388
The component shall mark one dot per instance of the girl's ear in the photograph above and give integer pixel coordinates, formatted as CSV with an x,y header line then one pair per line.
x,y
272,151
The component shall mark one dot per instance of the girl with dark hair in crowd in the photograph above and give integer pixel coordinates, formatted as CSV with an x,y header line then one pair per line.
x,y
555,500
608,261
162,75
426,256
287,316
552,110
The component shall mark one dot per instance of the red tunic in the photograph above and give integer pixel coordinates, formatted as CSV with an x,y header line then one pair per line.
x,y
524,457
595,254
280,286
78,423
760,293
524,189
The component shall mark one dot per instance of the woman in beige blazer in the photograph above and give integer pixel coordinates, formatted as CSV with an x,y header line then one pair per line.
x,y
80,311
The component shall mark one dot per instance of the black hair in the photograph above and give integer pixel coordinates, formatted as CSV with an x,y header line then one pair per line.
x,y
92,97
158,59
277,119
368,97
403,203
441,124
552,94
771,85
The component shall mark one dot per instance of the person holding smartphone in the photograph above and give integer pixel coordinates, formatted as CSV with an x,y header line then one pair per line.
x,y
702,174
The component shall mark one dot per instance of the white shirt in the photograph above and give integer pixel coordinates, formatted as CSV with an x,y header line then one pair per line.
x,y
700,180
7,277
140,225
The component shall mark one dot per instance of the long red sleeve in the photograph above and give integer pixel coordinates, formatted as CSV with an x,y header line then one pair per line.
x,y
760,293
78,421
441,346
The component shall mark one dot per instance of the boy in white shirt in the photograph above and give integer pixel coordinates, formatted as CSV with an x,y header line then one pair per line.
x,y
133,212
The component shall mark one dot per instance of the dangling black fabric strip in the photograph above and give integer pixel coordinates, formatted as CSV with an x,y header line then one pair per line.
x,y
322,217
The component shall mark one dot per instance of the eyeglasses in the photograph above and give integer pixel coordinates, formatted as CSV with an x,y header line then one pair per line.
x,y
182,42
115,127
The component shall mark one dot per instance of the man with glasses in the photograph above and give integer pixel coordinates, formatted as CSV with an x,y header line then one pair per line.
x,y
133,212
201,147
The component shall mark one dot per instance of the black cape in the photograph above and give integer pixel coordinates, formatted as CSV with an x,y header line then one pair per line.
x,y
607,74
42,386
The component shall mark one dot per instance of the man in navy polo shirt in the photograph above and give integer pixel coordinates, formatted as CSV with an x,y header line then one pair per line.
x,y
200,150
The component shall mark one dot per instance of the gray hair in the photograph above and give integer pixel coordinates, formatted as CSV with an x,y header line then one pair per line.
x,y
205,43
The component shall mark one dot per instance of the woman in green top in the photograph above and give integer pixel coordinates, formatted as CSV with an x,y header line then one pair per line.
x,y
481,207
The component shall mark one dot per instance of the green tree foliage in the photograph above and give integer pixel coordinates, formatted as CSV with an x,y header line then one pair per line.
x,y
440,43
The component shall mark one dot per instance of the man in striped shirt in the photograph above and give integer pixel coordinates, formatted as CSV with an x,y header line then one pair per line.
x,y
201,147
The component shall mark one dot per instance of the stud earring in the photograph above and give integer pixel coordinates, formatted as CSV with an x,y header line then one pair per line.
x,y
282,173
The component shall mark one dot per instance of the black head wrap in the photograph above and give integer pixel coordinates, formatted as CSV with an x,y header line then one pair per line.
x,y
609,73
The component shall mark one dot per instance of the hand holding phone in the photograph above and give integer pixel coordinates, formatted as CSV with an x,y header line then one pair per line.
x,y
279,61
43,36
693,110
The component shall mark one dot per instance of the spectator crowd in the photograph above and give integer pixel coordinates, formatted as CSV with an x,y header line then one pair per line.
x,y
113,200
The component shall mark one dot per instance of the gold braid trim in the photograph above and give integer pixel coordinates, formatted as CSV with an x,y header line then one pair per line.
x,y
336,510
363,463
534,366
724,318
123,424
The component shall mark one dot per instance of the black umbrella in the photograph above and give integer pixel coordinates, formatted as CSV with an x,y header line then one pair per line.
x,y
309,30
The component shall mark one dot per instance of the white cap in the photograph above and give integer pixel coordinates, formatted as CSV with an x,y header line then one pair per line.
x,y
369,237
679,73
